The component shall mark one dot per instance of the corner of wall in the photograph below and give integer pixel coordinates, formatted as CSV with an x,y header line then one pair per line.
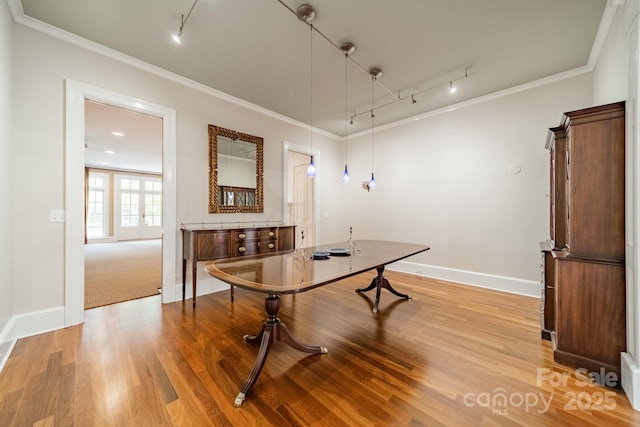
x,y
631,380
26,325
7,342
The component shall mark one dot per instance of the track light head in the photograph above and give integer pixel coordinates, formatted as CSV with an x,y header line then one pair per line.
x,y
375,73
305,13
177,37
348,48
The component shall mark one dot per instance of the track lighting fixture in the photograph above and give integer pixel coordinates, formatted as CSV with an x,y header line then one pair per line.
x,y
307,14
347,48
375,73
177,37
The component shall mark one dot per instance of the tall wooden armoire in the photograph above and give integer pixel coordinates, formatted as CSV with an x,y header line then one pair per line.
x,y
583,262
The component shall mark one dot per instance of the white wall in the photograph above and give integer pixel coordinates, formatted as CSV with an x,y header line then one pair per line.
x,y
38,153
5,173
445,181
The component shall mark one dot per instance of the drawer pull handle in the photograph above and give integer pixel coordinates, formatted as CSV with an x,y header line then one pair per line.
x,y
271,234
242,249
242,236
271,246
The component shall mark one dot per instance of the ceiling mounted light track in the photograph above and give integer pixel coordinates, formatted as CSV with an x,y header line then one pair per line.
x,y
307,14
449,84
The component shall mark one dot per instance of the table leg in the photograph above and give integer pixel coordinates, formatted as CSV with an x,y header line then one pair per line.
x,y
378,283
273,329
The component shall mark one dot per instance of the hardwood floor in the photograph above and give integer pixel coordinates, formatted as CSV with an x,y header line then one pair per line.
x,y
445,358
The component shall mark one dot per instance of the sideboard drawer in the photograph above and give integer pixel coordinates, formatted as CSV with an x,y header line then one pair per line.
x,y
213,245
244,248
243,235
267,246
269,233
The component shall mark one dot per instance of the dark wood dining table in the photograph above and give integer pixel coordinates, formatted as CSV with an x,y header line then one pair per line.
x,y
300,270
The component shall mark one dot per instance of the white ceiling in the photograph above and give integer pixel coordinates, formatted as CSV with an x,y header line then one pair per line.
x,y
259,51
139,148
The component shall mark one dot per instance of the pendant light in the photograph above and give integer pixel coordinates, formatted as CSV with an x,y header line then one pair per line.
x,y
311,170
348,48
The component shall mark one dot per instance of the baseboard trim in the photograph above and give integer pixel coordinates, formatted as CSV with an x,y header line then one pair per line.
x,y
26,325
207,285
489,281
631,380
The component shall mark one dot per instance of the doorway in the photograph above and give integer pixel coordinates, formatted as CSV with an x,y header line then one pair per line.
x,y
300,190
75,95
123,162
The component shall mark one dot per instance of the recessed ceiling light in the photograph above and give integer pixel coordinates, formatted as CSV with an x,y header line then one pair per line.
x,y
104,163
109,152
117,133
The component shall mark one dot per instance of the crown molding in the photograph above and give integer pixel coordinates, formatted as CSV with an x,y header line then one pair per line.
x,y
608,16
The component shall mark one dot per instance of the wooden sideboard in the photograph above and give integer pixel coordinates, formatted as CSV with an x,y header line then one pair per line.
x,y
206,243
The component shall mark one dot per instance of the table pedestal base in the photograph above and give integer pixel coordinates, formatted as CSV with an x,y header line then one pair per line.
x,y
378,283
273,329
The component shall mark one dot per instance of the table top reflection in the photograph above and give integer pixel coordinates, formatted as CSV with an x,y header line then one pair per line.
x,y
293,271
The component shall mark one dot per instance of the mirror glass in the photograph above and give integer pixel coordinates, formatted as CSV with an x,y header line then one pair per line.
x,y
235,171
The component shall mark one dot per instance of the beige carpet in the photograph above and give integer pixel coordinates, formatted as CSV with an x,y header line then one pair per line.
x,y
121,271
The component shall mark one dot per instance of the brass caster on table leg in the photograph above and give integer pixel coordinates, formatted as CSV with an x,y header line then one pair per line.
x,y
239,400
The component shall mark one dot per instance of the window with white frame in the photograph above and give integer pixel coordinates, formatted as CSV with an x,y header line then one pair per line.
x,y
97,204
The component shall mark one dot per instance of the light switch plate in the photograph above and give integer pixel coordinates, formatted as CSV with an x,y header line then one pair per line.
x,y
56,215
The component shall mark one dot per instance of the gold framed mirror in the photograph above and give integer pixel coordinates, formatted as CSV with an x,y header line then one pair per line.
x,y
235,171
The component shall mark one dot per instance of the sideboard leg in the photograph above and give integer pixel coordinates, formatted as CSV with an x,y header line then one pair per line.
x,y
194,277
184,277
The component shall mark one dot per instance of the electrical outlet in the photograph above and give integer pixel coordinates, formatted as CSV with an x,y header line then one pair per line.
x,y
56,215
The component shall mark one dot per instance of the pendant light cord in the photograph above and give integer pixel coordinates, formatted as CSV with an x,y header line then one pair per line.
x,y
311,85
372,116
346,111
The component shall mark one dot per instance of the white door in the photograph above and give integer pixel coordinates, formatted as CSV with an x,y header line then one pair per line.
x,y
303,200
138,207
